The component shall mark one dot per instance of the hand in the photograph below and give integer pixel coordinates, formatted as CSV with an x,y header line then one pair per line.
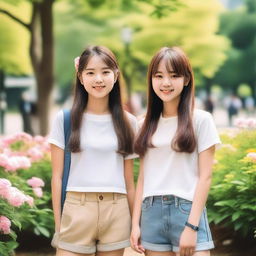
x,y
188,240
135,240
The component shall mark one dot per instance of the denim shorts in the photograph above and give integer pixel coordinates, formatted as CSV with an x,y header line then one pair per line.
x,y
163,220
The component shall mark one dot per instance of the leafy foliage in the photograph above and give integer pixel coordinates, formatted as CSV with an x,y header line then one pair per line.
x,y
232,200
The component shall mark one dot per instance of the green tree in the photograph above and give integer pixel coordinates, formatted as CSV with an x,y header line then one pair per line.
x,y
240,27
193,27
40,28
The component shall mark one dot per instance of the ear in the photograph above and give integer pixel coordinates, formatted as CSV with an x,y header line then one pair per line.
x,y
116,74
80,78
186,81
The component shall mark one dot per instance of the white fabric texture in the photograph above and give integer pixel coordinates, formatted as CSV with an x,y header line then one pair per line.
x,y
169,172
98,167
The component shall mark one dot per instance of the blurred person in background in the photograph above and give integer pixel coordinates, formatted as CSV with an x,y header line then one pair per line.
x,y
25,107
233,105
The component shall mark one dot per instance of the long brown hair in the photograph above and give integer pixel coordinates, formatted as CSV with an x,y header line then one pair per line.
x,y
184,139
121,125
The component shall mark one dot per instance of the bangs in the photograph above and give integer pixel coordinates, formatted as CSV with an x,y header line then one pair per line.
x,y
108,61
174,62
106,56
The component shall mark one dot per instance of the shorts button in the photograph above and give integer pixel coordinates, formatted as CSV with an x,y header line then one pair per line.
x,y
101,197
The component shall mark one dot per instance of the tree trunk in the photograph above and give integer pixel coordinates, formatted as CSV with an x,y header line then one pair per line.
x,y
41,53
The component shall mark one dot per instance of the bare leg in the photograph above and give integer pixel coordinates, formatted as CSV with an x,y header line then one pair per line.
x,y
61,252
153,253
111,253
200,253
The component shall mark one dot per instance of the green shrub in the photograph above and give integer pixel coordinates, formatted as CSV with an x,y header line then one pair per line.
x,y
232,198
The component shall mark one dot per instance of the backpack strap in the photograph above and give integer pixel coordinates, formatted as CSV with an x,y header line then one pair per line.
x,y
67,155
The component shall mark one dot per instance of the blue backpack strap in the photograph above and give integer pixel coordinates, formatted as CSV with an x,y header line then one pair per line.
x,y
67,156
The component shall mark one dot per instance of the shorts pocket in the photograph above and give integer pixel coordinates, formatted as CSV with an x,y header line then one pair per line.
x,y
146,204
71,200
185,206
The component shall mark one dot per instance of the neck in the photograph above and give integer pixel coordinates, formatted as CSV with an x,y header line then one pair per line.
x,y
170,108
97,105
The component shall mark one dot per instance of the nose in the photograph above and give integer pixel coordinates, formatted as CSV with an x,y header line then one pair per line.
x,y
167,82
98,78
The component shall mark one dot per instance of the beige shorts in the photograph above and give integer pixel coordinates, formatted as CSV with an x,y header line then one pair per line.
x,y
93,222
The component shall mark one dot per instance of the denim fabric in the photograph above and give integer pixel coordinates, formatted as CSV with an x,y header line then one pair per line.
x,y
163,220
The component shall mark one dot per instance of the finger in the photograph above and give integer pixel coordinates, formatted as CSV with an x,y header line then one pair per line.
x,y
138,249
187,252
142,248
181,251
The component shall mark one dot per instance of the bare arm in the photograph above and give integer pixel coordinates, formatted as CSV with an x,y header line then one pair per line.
x,y
203,186
129,182
135,234
57,157
189,236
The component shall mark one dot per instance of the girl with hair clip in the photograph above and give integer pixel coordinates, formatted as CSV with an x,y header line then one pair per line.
x,y
176,145
96,215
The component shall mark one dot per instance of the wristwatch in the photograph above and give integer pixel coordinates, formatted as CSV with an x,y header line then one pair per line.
x,y
195,228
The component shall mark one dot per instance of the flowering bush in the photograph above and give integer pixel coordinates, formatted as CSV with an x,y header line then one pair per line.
x,y
232,199
25,199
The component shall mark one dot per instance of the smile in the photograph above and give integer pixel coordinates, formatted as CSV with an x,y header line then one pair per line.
x,y
166,91
99,86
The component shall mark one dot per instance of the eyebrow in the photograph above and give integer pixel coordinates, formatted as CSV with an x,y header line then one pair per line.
x,y
94,68
172,72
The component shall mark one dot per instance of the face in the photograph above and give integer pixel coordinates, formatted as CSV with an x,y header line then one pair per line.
x,y
167,84
97,78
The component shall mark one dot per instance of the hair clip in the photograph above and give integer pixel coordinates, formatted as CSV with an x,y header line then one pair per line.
x,y
76,62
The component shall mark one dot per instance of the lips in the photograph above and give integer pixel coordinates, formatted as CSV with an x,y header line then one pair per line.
x,y
99,87
166,91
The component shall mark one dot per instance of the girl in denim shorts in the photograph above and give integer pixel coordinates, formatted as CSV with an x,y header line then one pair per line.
x,y
176,144
96,216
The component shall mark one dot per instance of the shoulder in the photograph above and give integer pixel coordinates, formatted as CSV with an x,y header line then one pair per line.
x,y
201,115
131,118
59,116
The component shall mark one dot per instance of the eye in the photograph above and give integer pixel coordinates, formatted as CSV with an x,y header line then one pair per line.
x,y
175,76
106,72
89,73
158,76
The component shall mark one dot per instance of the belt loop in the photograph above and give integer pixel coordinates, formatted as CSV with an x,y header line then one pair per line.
x,y
115,198
151,200
83,198
176,201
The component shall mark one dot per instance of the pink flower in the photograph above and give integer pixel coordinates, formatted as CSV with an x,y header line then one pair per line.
x,y
15,197
76,62
4,183
30,200
251,123
35,153
4,188
38,192
252,155
5,225
35,182
17,162
39,139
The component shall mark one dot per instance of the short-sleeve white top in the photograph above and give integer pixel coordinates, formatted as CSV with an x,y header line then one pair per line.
x,y
98,167
167,172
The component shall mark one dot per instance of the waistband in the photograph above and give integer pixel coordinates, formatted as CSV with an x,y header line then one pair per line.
x,y
94,196
166,199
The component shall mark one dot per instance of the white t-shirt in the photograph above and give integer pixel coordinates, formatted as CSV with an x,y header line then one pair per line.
x,y
98,167
167,172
